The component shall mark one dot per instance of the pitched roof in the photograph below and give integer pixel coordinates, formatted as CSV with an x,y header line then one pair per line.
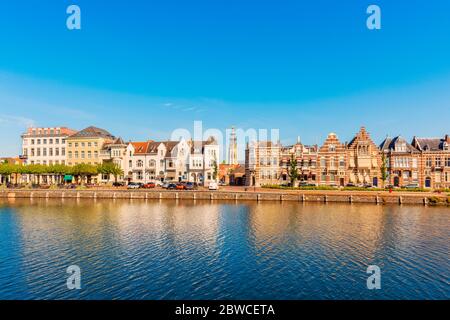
x,y
93,132
428,144
140,147
170,145
389,144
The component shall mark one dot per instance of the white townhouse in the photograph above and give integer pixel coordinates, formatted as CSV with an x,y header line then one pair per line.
x,y
158,161
45,146
203,159
176,161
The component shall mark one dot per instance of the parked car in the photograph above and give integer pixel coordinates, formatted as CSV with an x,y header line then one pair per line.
x,y
171,186
368,186
411,186
180,186
213,186
165,185
118,184
350,184
191,186
222,183
149,185
134,185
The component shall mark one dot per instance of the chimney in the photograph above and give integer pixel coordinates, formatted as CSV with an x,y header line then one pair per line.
x,y
447,138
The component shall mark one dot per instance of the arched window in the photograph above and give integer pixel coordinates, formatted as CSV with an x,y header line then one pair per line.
x,y
139,163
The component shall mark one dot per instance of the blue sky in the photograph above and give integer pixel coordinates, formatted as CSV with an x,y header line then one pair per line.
x,y
144,68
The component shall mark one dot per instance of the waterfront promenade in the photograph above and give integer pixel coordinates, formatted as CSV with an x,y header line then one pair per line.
x,y
240,193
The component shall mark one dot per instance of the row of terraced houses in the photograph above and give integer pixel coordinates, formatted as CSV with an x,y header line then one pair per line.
x,y
425,162
144,161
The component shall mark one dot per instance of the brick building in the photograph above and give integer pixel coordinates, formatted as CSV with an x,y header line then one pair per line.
x,y
402,162
434,161
332,162
364,160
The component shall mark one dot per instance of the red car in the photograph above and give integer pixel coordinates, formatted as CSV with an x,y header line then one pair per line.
x,y
149,185
181,186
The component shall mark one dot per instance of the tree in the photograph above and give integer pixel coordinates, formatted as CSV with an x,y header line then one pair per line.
x,y
110,168
84,170
5,171
292,170
215,169
384,173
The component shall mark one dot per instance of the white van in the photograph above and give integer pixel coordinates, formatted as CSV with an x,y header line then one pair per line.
x,y
213,186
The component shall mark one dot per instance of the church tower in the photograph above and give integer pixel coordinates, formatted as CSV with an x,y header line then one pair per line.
x,y
232,148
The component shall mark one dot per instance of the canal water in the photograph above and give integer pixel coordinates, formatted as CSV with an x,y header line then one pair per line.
x,y
221,250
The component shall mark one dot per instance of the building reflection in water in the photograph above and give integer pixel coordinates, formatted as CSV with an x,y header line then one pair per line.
x,y
219,250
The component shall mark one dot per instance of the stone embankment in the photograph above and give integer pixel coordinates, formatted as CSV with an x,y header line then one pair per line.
x,y
299,196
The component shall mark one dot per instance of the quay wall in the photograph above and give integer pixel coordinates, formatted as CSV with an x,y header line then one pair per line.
x,y
321,197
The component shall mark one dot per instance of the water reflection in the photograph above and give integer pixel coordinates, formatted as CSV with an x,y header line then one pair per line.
x,y
136,249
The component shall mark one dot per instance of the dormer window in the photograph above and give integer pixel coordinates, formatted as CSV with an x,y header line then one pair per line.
x,y
332,147
446,146
400,147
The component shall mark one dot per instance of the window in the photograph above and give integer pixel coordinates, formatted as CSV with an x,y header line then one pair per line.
x,y
438,162
82,155
139,175
32,152
95,154
56,151
44,152
70,154
76,144
139,163
89,144
63,151
76,154
332,148
447,162
38,141
323,162
262,161
56,141
332,162
70,144
50,152
89,154
130,163
32,141
45,141
341,163
50,141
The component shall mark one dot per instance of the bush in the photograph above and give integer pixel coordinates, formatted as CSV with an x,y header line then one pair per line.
x,y
276,186
434,200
